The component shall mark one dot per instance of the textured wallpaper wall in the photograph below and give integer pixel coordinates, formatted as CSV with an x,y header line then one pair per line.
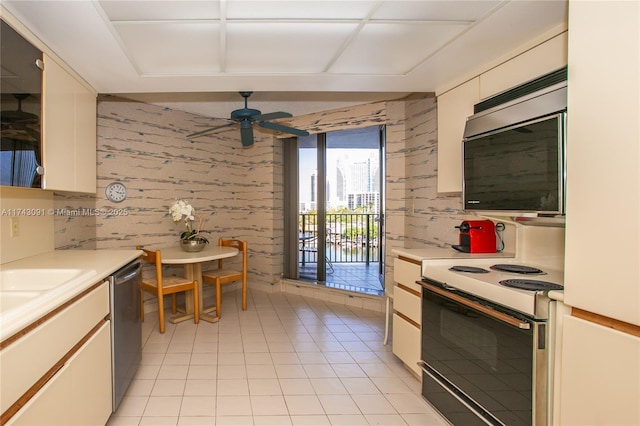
x,y
238,190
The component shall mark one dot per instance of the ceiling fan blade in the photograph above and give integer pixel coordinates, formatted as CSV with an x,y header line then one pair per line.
x,y
271,116
207,131
284,129
246,136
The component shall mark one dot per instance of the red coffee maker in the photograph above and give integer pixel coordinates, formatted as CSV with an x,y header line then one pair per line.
x,y
477,236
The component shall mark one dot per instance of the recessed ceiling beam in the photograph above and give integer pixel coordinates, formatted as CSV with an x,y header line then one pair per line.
x,y
223,35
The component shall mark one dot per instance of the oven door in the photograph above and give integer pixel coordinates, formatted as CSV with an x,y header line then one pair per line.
x,y
478,362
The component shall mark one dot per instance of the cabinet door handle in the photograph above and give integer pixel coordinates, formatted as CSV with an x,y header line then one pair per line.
x,y
40,64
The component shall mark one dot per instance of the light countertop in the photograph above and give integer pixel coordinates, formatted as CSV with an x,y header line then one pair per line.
x,y
20,307
420,254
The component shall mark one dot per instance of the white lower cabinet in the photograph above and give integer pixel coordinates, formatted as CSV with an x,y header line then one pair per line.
x,y
57,371
407,316
408,303
79,393
406,343
600,375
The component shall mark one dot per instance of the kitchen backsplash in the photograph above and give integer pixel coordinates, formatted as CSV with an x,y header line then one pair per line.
x,y
33,210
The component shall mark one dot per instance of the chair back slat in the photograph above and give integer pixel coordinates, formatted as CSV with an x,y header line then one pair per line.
x,y
240,245
148,256
153,257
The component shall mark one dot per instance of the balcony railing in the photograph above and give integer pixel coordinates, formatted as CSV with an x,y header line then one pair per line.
x,y
350,237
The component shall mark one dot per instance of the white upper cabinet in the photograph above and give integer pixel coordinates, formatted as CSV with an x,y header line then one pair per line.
x,y
68,119
69,131
455,105
603,160
542,59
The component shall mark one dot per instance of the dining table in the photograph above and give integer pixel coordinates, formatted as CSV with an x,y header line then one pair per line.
x,y
192,262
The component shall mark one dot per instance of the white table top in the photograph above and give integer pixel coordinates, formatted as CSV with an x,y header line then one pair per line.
x,y
176,256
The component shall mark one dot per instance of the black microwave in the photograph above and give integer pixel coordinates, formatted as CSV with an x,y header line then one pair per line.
x,y
516,168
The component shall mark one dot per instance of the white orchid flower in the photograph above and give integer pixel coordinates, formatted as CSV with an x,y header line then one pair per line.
x,y
182,210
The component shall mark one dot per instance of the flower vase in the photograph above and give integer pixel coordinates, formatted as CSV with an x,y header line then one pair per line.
x,y
193,245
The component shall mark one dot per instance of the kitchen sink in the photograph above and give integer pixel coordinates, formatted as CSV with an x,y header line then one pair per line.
x,y
13,299
39,280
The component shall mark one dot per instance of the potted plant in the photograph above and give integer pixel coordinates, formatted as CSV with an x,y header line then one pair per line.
x,y
191,239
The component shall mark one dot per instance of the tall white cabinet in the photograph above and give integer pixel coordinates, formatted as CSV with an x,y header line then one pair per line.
x,y
69,131
599,381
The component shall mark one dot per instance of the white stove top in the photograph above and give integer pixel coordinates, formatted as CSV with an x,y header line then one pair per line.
x,y
486,285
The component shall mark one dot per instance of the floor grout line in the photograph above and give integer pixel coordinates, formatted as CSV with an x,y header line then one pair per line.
x,y
286,360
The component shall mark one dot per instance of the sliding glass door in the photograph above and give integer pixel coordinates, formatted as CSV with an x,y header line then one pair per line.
x,y
312,175
340,183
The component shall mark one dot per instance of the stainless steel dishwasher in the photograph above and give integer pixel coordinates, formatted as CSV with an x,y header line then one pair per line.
x,y
126,328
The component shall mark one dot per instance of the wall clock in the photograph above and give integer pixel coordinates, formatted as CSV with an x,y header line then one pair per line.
x,y
116,192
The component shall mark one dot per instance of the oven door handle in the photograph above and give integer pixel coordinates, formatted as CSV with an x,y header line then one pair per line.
x,y
461,397
516,322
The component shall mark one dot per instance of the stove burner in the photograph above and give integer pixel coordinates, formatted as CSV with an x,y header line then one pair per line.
x,y
531,284
471,269
518,269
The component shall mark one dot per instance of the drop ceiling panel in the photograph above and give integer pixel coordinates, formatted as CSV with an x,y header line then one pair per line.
x,y
187,48
317,10
394,48
287,48
444,10
330,45
160,10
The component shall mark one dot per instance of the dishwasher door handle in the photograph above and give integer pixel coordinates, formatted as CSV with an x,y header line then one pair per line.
x,y
127,273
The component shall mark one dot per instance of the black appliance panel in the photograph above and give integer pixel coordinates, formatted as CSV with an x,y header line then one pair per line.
x,y
126,328
516,169
487,361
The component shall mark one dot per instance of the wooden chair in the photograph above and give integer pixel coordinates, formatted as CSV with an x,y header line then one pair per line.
x,y
223,275
161,286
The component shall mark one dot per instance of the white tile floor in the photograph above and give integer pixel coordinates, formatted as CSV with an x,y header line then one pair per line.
x,y
355,277
287,360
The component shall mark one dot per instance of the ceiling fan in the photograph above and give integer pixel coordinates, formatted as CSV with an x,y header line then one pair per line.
x,y
247,116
